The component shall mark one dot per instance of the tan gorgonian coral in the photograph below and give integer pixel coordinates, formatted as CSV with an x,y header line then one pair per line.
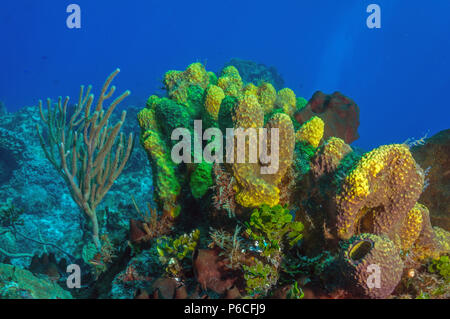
x,y
85,156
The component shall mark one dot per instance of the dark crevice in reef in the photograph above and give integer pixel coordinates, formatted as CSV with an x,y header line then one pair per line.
x,y
102,286
8,163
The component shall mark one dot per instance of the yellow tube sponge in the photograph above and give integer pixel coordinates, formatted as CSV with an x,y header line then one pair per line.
x,y
213,99
432,242
254,187
267,96
287,101
250,88
311,131
230,81
328,157
411,227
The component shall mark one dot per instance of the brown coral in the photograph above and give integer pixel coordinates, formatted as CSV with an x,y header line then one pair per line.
x,y
211,272
367,258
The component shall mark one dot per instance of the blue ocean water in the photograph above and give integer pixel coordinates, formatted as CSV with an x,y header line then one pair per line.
x,y
398,74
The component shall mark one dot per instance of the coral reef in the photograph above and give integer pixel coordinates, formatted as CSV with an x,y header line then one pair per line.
x,y
330,221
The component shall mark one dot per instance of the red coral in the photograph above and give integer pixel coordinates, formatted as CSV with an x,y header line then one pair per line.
x,y
340,114
211,272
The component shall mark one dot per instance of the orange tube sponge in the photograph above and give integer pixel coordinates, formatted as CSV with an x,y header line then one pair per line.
x,y
379,192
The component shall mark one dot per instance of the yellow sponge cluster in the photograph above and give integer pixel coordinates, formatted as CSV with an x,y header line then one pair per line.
x,y
311,131
213,99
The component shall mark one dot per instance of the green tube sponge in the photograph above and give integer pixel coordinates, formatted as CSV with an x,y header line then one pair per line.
x,y
167,187
169,116
225,116
201,180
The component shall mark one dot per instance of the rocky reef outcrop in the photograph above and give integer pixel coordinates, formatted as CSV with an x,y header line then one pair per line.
x,y
433,155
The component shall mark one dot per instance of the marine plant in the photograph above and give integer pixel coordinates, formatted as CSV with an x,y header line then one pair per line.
x,y
441,266
272,227
172,252
10,216
259,278
232,246
295,292
87,152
